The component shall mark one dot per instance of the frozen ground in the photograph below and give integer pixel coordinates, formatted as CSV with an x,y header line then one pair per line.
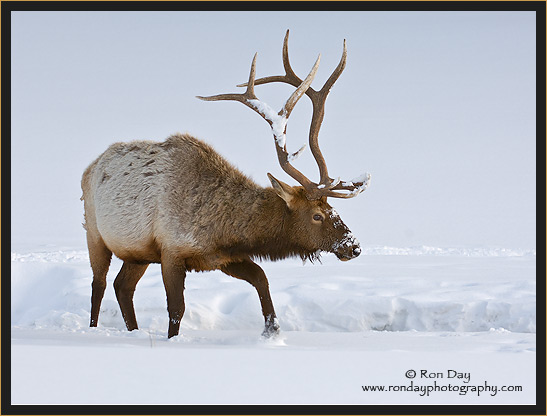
x,y
443,313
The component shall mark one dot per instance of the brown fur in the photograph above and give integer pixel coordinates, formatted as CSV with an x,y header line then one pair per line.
x,y
179,203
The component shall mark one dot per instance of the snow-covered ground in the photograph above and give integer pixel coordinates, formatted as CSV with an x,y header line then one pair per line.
x,y
460,322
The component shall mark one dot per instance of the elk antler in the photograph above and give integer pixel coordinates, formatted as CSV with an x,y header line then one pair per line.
x,y
326,186
277,121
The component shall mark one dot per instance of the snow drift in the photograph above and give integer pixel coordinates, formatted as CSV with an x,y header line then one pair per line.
x,y
386,289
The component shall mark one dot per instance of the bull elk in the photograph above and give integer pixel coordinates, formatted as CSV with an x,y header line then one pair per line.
x,y
180,204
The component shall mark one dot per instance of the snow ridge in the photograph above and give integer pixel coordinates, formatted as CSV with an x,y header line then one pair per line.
x,y
422,289
75,256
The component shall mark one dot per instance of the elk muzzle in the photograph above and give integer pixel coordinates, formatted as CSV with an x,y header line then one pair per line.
x,y
347,248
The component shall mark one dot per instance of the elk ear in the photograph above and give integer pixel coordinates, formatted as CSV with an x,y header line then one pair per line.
x,y
284,191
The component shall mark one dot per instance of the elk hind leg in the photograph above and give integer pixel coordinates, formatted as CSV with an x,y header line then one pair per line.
x,y
251,272
124,286
99,257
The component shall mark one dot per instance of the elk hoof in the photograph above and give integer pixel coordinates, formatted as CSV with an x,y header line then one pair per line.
x,y
271,329
270,332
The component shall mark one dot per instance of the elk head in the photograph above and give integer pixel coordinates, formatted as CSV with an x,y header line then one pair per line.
x,y
316,224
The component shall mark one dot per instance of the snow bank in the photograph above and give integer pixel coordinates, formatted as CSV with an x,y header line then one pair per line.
x,y
385,289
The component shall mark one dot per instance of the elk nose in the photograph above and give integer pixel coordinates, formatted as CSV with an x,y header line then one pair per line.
x,y
349,252
348,248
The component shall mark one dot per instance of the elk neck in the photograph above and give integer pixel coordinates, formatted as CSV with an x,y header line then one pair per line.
x,y
266,233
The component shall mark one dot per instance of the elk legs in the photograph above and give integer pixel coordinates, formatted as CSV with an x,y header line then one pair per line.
x,y
124,285
174,275
252,273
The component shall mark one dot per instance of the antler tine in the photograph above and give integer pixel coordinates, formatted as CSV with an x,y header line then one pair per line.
x,y
337,71
289,73
354,187
242,98
301,90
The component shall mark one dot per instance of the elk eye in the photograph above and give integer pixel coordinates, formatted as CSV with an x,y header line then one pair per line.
x,y
318,217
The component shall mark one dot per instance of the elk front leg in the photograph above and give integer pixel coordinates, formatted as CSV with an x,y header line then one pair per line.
x,y
124,285
174,274
251,272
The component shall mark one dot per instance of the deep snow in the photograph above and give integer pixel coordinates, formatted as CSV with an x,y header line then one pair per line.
x,y
344,326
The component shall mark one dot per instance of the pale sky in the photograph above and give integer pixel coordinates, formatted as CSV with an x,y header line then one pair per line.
x,y
438,106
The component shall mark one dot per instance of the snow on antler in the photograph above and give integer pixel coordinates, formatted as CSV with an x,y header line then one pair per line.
x,y
277,122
